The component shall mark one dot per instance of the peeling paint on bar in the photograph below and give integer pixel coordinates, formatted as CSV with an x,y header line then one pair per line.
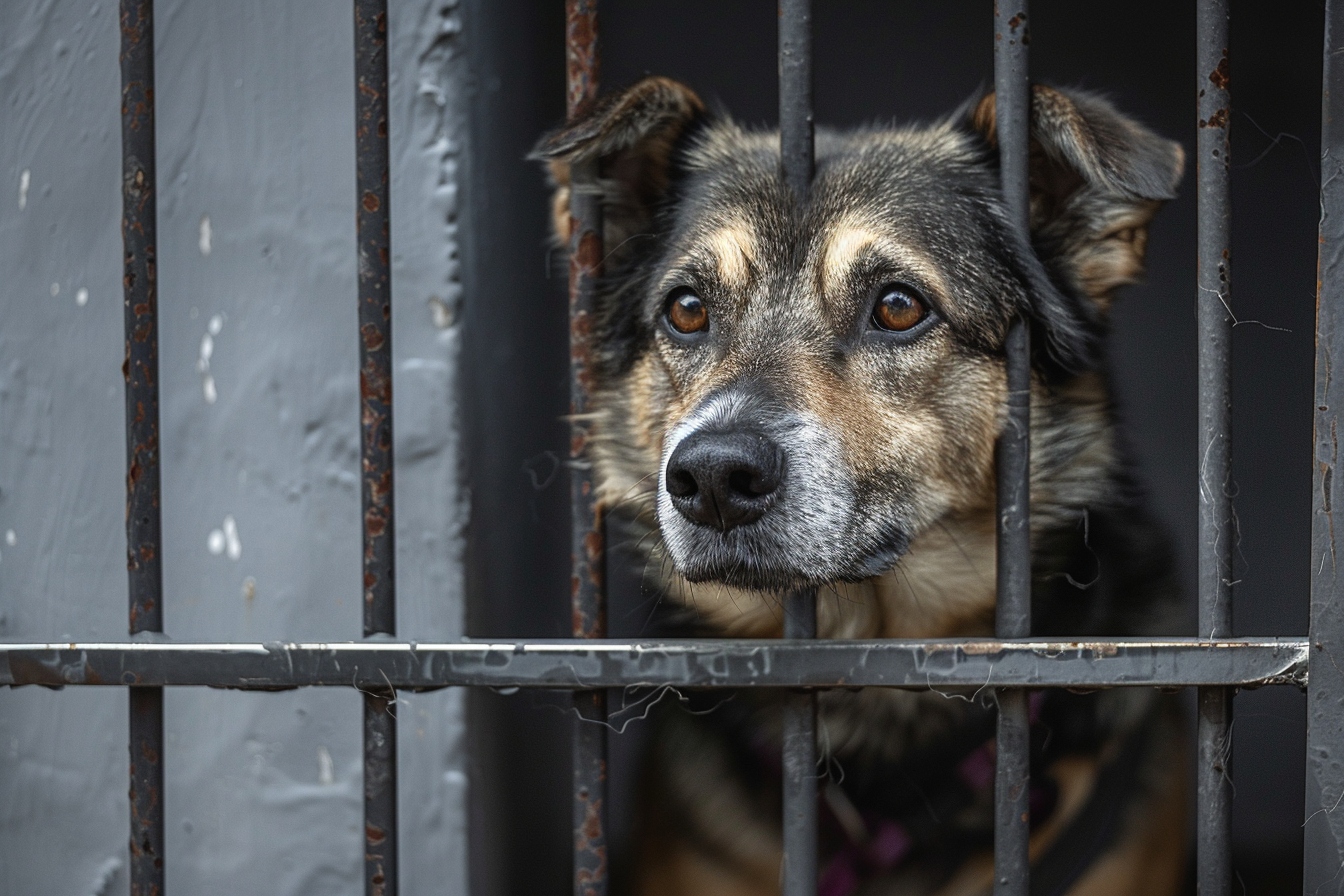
x,y
144,530
373,234
588,599
691,663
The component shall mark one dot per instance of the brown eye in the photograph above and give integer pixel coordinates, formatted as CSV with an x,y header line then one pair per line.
x,y
898,309
687,313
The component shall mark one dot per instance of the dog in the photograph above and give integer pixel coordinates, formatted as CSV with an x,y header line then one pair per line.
x,y
797,392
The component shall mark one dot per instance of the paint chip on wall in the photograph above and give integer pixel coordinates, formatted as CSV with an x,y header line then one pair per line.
x,y
225,540
326,769
203,359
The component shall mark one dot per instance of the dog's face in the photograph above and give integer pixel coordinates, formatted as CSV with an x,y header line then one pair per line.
x,y
798,388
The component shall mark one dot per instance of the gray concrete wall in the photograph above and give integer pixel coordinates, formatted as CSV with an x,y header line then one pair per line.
x,y
259,423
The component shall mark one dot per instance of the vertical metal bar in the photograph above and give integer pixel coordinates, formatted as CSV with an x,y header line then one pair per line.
x,y
799,871
144,544
587,530
1323,831
372,230
795,94
1216,533
1012,785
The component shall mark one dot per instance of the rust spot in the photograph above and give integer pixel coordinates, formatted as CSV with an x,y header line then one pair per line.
x,y
375,388
581,61
1221,76
1016,21
374,835
147,553
375,524
133,474
374,338
589,252
1217,120
371,203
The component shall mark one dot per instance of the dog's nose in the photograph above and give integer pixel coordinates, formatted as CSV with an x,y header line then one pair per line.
x,y
724,479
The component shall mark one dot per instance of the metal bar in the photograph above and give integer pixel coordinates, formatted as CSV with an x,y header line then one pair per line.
x,y
373,232
1216,527
587,531
799,872
967,665
1323,831
795,94
144,543
799,743
1012,98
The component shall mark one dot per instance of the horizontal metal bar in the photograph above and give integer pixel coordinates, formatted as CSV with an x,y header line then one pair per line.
x,y
702,663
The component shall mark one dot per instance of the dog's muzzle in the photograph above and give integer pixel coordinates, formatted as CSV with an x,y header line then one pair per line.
x,y
757,495
725,479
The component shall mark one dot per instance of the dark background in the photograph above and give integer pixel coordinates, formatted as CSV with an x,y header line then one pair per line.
x,y
881,60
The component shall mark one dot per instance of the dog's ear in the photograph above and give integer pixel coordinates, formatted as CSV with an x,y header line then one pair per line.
x,y
630,137
1097,178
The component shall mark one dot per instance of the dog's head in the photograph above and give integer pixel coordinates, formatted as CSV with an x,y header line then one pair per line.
x,y
799,387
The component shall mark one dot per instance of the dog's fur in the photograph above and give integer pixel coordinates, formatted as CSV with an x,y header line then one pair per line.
x,y
887,499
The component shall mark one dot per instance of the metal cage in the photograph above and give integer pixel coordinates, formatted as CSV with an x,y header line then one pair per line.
x,y
1214,663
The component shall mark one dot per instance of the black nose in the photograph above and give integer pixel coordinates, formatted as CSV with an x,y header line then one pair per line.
x,y
724,479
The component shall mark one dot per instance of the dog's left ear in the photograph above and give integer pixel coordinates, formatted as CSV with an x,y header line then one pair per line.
x,y
1097,178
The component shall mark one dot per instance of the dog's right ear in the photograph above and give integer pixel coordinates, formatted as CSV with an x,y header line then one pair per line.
x,y
630,138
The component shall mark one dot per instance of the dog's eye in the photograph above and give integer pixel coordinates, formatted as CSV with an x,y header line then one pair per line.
x,y
899,308
686,312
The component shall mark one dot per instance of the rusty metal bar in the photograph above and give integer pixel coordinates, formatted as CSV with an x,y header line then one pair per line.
x,y
587,529
373,232
1323,830
799,743
1216,532
144,542
1012,98
691,663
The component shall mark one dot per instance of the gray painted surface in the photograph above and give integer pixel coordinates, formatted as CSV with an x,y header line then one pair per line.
x,y
259,422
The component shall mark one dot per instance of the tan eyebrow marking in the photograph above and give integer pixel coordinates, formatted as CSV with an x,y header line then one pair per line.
x,y
734,251
847,242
